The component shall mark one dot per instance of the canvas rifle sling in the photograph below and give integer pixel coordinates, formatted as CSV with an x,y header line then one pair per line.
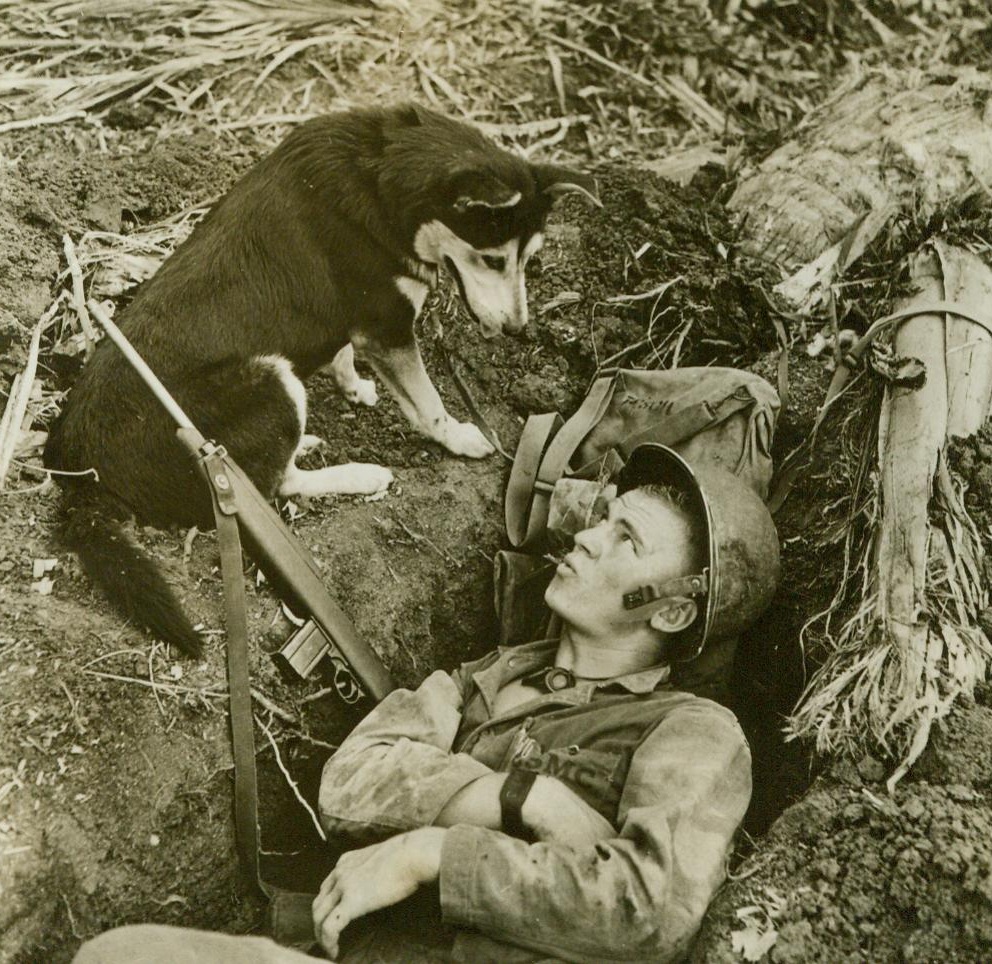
x,y
242,721
289,915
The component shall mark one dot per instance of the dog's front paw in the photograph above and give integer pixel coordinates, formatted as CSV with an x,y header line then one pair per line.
x,y
362,392
367,478
464,438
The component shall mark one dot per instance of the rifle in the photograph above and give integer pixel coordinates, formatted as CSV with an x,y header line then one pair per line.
x,y
327,631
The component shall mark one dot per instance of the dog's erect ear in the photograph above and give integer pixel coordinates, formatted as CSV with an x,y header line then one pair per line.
x,y
554,180
482,189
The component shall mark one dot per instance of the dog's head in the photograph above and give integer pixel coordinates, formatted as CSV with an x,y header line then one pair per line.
x,y
480,212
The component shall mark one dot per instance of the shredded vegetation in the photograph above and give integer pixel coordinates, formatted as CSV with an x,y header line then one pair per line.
x,y
64,61
880,685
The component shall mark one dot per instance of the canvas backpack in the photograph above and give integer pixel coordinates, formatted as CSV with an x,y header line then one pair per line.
x,y
562,470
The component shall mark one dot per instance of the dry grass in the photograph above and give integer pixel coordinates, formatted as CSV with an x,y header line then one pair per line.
x,y
625,79
100,265
63,61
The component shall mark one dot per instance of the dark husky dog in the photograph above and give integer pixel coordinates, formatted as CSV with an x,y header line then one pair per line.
x,y
326,247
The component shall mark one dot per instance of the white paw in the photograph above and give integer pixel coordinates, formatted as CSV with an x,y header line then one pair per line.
x,y
363,392
308,443
464,438
366,478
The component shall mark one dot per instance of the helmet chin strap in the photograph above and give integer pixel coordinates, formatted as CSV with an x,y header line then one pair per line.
x,y
642,603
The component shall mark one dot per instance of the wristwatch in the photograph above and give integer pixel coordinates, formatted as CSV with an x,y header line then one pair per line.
x,y
512,795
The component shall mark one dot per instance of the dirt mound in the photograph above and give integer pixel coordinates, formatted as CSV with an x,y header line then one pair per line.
x,y
850,873
114,767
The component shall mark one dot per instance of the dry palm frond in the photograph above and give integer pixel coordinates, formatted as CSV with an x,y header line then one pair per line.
x,y
101,264
59,60
109,264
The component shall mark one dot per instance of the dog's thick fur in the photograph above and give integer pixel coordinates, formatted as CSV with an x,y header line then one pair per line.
x,y
328,245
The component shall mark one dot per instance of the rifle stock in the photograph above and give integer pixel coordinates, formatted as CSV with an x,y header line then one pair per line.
x,y
293,571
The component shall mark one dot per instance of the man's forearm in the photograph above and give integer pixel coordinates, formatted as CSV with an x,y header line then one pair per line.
x,y
638,893
550,811
476,804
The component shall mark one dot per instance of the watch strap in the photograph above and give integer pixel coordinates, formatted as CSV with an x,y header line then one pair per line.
x,y
512,795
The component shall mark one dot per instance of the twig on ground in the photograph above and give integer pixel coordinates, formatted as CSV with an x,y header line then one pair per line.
x,y
420,537
170,689
17,403
655,293
274,708
42,470
188,543
671,88
205,692
531,128
20,125
72,917
319,695
79,294
151,675
306,738
292,783
73,707
13,402
623,353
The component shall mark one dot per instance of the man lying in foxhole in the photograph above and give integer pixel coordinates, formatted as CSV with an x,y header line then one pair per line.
x,y
555,800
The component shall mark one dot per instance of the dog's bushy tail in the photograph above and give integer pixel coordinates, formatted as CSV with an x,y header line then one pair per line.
x,y
122,570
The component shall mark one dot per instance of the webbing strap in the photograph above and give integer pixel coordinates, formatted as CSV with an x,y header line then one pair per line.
x,y
242,721
536,468
793,464
538,431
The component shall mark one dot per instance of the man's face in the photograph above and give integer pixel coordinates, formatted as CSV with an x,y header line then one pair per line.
x,y
642,541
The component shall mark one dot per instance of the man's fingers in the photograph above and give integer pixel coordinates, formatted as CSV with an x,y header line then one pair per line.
x,y
329,881
329,931
323,905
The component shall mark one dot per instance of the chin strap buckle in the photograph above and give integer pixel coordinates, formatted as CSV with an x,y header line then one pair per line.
x,y
694,585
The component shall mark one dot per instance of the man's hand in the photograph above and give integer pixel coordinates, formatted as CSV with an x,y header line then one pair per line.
x,y
556,814
375,877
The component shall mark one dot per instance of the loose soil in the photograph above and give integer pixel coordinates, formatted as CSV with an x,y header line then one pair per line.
x,y
853,874
117,796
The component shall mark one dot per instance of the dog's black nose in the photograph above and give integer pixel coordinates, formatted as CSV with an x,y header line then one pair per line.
x,y
526,333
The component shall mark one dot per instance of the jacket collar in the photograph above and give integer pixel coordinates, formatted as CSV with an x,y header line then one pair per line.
x,y
516,661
